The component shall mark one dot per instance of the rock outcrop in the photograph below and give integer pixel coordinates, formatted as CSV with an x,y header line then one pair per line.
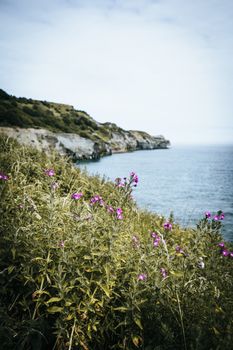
x,y
80,148
49,125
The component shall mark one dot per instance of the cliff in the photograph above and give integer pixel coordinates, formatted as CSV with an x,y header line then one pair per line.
x,y
48,125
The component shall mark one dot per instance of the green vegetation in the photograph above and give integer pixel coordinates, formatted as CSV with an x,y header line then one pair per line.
x,y
76,275
28,113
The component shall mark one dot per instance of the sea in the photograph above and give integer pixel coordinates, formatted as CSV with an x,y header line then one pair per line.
x,y
185,180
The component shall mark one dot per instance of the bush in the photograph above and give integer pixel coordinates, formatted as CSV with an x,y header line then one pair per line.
x,y
82,268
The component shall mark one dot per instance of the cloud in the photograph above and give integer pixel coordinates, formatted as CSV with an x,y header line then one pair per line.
x,y
160,66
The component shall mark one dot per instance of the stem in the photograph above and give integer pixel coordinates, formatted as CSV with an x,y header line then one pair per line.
x,y
181,320
71,336
36,306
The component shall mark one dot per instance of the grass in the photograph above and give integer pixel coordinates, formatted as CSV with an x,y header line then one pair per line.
x,y
74,275
56,117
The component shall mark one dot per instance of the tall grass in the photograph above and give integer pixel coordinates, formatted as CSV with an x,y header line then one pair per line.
x,y
83,268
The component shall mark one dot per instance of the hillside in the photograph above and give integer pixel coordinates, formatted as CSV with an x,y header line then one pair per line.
x,y
70,131
83,268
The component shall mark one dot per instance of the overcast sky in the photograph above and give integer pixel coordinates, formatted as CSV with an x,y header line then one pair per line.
x,y
162,66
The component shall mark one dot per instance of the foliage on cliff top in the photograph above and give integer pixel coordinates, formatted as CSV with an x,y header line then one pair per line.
x,y
56,117
83,268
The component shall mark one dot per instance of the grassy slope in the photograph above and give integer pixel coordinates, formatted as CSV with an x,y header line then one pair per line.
x,y
69,271
28,113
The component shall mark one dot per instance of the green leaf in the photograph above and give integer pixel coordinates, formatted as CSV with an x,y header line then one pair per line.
x,y
53,300
138,323
54,309
120,308
177,273
105,289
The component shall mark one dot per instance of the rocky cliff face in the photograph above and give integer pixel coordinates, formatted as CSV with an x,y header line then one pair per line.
x,y
48,125
80,148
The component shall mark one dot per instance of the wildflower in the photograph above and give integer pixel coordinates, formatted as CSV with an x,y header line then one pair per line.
x,y
156,243
222,216
110,209
163,272
54,186
219,217
167,226
119,212
62,244
135,241
97,199
154,235
231,254
142,277
4,177
134,178
76,195
179,250
49,172
207,214
119,183
225,252
221,244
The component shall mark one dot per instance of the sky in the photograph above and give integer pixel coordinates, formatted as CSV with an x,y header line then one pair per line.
x,y
161,66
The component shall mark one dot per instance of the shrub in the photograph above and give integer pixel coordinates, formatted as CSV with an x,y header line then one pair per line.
x,y
83,268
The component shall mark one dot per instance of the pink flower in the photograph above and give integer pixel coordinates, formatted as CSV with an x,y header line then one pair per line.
x,y
49,172
110,209
135,241
142,277
207,214
62,244
156,243
134,178
119,212
225,252
231,254
154,235
221,244
76,195
54,186
4,177
163,272
97,199
167,226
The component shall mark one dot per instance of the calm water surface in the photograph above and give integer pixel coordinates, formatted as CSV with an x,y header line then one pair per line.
x,y
185,180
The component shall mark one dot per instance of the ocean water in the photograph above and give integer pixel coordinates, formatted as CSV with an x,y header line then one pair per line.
x,y
185,180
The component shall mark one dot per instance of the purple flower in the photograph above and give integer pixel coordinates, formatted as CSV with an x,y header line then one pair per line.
x,y
134,178
142,277
222,216
156,243
4,177
179,250
119,183
167,226
154,235
163,272
76,195
49,172
62,244
216,218
135,241
221,244
208,214
110,209
54,186
97,199
225,252
231,254
119,212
